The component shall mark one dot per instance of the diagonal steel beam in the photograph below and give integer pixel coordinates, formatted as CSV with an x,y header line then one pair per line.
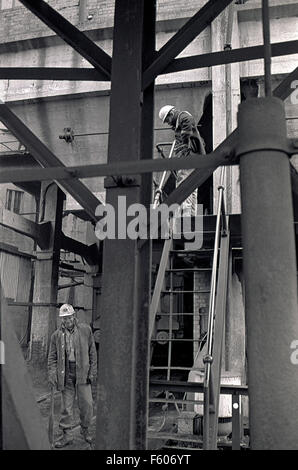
x,y
230,56
285,88
47,158
182,38
51,73
72,35
198,177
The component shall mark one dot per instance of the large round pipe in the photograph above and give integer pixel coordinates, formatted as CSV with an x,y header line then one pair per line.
x,y
270,274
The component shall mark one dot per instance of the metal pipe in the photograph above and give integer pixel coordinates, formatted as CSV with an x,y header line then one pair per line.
x,y
270,274
267,47
208,358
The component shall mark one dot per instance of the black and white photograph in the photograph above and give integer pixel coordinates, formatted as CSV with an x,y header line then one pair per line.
x,y
148,228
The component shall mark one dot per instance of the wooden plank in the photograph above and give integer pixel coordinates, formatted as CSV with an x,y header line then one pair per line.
x,y
72,35
22,425
9,273
19,224
38,232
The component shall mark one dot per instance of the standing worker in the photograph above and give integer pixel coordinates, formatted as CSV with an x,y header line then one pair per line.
x,y
187,140
72,367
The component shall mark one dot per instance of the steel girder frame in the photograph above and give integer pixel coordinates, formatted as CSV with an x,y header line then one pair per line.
x,y
178,194
123,346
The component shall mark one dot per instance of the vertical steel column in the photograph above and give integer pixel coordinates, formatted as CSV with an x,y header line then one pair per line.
x,y
123,348
270,273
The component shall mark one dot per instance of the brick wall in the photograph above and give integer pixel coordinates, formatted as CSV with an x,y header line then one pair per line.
x,y
19,23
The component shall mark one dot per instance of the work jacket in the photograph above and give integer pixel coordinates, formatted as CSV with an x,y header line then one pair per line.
x,y
85,352
187,136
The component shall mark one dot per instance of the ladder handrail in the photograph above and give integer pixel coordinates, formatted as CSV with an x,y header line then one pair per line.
x,y
158,283
211,310
159,190
221,223
165,252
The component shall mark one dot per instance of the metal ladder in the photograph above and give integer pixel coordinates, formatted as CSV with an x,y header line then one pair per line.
x,y
214,333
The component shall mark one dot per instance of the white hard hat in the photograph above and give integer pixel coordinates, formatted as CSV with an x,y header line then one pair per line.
x,y
164,111
66,310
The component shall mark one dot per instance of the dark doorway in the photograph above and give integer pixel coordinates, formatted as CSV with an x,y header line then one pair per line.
x,y
205,192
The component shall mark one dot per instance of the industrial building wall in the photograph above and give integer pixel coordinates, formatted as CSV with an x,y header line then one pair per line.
x,y
15,276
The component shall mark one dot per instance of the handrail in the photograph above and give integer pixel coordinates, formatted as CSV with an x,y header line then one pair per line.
x,y
159,190
220,220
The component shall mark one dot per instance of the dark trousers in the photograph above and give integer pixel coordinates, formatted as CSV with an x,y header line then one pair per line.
x,y
85,403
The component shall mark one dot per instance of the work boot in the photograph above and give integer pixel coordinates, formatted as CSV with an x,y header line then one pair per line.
x,y
64,441
86,434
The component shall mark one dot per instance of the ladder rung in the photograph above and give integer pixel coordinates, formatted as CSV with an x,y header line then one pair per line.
x,y
174,437
185,252
185,292
176,314
177,339
188,270
178,402
170,368
181,448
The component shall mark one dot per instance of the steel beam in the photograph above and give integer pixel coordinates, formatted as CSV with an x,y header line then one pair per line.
x,y
46,158
89,252
51,73
72,35
230,56
182,38
44,321
270,274
116,169
122,391
284,89
26,227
